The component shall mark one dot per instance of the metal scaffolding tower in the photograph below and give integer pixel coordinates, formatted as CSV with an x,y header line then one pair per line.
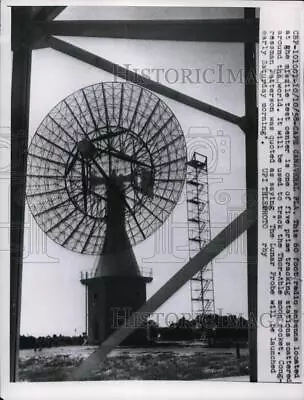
x,y
199,234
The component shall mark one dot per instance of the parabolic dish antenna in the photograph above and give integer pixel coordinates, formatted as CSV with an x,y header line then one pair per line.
x,y
95,137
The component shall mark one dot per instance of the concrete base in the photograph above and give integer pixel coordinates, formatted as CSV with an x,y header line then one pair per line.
x,y
110,301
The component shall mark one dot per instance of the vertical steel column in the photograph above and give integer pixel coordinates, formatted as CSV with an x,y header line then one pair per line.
x,y
251,128
20,99
86,309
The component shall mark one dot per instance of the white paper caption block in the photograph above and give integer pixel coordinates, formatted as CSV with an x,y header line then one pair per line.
x,y
279,269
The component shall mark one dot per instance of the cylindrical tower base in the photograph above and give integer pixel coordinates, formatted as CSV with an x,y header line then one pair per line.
x,y
111,300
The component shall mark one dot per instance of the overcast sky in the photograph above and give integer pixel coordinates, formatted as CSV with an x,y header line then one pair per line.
x,y
52,295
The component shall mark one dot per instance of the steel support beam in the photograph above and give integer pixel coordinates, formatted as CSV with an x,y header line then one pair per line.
x,y
207,254
128,75
251,129
20,100
43,14
35,35
216,30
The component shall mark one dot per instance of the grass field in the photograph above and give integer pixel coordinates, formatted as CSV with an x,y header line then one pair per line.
x,y
171,363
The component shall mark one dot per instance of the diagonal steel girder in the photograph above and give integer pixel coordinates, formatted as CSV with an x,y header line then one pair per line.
x,y
115,69
203,30
238,226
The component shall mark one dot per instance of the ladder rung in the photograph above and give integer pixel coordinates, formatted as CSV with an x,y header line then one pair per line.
x,y
193,201
197,165
194,183
194,220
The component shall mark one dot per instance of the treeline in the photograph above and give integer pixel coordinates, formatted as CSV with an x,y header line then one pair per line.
x,y
32,342
215,329
210,321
